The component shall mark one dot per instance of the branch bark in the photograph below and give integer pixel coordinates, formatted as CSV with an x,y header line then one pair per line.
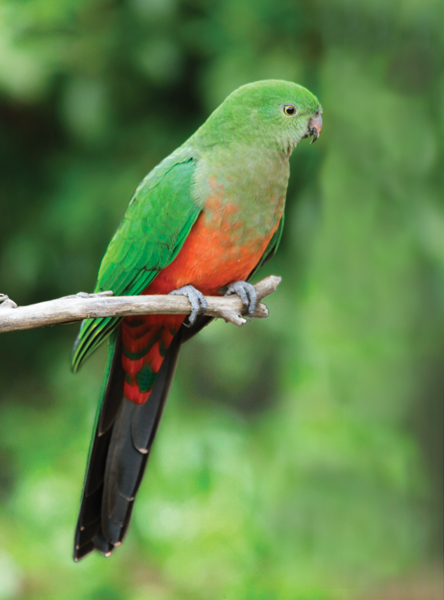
x,y
83,306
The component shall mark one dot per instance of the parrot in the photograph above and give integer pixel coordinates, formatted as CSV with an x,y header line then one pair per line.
x,y
201,223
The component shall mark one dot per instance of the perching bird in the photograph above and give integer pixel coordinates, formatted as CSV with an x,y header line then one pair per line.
x,y
206,218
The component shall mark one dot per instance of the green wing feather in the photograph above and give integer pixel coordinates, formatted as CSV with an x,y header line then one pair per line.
x,y
156,224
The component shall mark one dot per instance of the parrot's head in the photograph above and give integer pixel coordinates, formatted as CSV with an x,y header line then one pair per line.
x,y
272,113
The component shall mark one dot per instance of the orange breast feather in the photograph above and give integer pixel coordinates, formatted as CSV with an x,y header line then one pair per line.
x,y
219,250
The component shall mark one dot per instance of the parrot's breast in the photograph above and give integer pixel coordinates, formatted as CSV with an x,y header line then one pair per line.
x,y
226,242
224,245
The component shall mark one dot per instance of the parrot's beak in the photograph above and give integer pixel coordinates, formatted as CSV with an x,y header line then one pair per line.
x,y
314,128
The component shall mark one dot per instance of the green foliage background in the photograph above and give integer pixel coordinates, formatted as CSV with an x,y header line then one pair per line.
x,y
300,457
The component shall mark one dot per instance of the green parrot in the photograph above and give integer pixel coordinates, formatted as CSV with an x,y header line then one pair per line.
x,y
200,223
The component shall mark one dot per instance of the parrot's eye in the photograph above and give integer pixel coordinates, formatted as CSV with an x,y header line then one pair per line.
x,y
289,110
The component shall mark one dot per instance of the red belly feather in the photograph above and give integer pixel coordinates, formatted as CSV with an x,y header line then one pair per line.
x,y
211,257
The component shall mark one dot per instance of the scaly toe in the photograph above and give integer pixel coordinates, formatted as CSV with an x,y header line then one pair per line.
x,y
197,301
246,293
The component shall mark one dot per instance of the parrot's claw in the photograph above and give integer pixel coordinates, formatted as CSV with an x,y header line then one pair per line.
x,y
197,301
246,293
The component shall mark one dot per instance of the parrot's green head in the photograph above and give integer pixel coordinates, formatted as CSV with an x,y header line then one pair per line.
x,y
272,113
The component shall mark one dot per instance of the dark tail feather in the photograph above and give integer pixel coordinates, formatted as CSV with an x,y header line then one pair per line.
x,y
123,437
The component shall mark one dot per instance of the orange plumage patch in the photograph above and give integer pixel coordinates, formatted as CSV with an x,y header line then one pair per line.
x,y
213,255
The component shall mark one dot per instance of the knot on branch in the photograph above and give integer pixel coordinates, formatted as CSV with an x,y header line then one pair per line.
x,y
6,302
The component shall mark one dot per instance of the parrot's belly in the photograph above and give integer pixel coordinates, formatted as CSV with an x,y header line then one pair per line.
x,y
219,250
224,245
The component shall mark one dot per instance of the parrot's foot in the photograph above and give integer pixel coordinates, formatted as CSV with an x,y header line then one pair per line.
x,y
246,293
197,301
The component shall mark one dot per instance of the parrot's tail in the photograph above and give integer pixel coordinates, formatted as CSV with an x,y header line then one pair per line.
x,y
123,435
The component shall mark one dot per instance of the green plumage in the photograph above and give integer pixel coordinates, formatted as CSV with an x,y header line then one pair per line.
x,y
209,215
247,142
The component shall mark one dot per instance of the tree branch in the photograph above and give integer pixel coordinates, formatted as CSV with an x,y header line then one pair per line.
x,y
83,306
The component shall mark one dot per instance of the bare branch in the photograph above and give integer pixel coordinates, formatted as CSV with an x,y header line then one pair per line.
x,y
84,306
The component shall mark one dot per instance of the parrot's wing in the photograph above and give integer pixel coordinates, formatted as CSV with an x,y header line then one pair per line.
x,y
156,224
